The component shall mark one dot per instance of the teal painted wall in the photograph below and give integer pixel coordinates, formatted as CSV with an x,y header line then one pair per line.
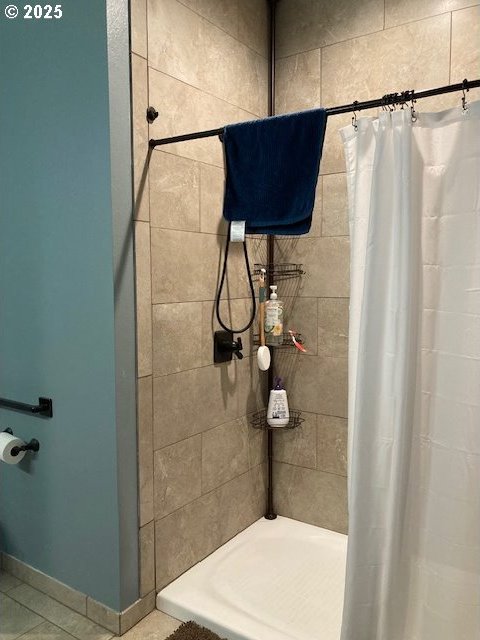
x,y
60,512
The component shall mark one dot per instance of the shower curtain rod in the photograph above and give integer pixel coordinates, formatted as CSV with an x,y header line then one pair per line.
x,y
387,100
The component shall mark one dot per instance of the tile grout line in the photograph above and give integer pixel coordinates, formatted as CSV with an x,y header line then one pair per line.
x,y
36,627
154,555
84,617
223,484
163,149
53,625
199,196
202,366
252,355
370,33
222,424
152,403
150,305
207,93
470,6
224,235
152,454
24,582
146,25
450,49
299,466
149,157
201,463
294,464
150,250
138,55
224,31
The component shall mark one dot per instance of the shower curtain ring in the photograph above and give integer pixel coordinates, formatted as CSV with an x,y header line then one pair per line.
x,y
393,97
413,113
354,117
465,88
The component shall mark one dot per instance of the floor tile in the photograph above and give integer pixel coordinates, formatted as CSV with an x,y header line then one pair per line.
x,y
16,620
68,620
47,631
46,584
7,581
156,626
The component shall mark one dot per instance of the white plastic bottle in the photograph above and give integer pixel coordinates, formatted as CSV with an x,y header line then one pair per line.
x,y
274,318
278,414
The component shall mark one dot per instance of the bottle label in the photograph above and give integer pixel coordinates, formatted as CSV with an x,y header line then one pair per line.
x,y
279,411
274,319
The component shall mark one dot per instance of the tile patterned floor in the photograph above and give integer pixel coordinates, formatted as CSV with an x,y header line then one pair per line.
x,y
29,614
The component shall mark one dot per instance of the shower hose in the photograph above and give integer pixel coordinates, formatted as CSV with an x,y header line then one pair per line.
x,y
222,281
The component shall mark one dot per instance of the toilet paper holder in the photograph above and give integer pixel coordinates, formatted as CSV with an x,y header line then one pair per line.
x,y
33,445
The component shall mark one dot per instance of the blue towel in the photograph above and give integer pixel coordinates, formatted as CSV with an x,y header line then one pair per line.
x,y
271,172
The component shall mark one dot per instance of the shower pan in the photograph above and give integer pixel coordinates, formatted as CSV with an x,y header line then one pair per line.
x,y
277,580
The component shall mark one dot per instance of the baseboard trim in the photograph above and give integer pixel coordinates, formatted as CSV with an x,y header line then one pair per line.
x,y
115,621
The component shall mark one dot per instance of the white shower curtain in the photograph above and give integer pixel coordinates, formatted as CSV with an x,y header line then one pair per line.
x,y
413,567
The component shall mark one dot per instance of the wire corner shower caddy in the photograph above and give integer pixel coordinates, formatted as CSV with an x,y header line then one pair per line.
x,y
286,271
258,420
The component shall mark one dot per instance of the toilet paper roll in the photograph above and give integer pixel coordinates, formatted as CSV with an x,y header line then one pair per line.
x,y
7,443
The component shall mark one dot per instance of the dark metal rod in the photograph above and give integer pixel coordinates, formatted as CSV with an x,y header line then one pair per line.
x,y
389,99
405,96
271,60
270,510
43,408
187,136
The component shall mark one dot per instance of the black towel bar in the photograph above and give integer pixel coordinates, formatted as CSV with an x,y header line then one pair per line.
x,y
43,408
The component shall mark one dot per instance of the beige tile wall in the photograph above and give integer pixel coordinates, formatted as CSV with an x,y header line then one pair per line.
x,y
202,64
332,53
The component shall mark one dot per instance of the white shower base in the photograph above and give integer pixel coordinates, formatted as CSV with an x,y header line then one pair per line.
x,y
277,580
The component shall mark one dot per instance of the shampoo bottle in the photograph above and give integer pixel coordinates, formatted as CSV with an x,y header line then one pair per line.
x,y
274,319
278,414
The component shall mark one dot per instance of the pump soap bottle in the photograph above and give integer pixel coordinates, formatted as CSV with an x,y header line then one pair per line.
x,y
278,414
274,319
